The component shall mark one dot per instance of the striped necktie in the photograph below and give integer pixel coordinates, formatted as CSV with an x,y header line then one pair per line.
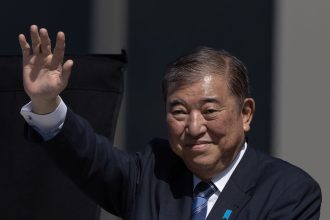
x,y
202,193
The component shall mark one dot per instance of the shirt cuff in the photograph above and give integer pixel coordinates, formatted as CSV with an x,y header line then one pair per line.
x,y
46,125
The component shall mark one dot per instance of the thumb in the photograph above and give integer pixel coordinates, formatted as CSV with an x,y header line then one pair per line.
x,y
67,67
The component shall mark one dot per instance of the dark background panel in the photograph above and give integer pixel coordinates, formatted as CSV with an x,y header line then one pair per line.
x,y
161,31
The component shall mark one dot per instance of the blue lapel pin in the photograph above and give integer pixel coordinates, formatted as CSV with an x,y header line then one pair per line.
x,y
227,214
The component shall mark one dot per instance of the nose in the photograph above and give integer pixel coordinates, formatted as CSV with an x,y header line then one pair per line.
x,y
195,124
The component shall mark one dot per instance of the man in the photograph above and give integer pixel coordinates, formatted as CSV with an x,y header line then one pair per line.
x,y
206,170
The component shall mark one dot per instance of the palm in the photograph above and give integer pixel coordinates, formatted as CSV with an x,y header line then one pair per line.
x,y
41,76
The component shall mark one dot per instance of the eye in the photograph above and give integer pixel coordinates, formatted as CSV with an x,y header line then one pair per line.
x,y
209,111
178,112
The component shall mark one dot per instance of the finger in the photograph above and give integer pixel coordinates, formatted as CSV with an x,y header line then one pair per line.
x,y
46,47
67,67
59,49
35,38
24,45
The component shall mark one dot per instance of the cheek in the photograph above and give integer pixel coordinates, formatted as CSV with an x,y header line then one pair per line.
x,y
175,132
175,128
218,127
224,129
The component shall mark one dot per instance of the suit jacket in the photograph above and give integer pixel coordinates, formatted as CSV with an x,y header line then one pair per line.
x,y
156,184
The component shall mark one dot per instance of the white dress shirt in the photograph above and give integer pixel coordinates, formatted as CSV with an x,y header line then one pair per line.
x,y
46,125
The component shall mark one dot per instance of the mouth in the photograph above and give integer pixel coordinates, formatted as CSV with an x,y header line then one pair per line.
x,y
198,145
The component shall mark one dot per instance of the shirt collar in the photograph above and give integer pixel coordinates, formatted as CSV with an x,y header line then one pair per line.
x,y
222,178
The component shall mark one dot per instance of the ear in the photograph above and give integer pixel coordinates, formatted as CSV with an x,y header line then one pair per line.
x,y
248,109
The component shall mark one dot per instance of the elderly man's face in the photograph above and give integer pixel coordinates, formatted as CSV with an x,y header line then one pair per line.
x,y
207,125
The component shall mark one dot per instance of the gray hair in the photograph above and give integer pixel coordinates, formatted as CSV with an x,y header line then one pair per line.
x,y
203,61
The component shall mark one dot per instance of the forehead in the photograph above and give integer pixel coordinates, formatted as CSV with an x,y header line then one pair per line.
x,y
211,85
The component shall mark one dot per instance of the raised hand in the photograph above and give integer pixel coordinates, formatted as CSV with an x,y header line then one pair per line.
x,y
44,74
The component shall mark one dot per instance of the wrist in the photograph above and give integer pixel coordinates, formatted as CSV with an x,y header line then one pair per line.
x,y
45,106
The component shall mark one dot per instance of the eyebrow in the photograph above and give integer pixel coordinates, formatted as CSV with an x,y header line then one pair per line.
x,y
176,102
209,100
201,102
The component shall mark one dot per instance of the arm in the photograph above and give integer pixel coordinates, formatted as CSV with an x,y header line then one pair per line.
x,y
106,174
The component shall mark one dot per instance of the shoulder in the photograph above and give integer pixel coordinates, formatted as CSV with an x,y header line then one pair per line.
x,y
282,182
159,159
258,173
288,189
159,151
280,170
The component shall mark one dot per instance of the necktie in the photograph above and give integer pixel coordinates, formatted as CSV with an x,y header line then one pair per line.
x,y
202,193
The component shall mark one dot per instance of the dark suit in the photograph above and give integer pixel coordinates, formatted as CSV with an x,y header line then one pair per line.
x,y
156,184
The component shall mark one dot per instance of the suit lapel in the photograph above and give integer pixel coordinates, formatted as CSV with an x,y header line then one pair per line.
x,y
229,203
236,192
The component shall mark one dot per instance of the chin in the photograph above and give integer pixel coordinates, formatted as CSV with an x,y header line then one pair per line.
x,y
200,163
203,171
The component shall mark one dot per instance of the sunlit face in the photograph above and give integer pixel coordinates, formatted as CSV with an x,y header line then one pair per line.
x,y
207,125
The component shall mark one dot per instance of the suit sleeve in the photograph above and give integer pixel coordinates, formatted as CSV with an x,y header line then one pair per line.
x,y
106,174
299,201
